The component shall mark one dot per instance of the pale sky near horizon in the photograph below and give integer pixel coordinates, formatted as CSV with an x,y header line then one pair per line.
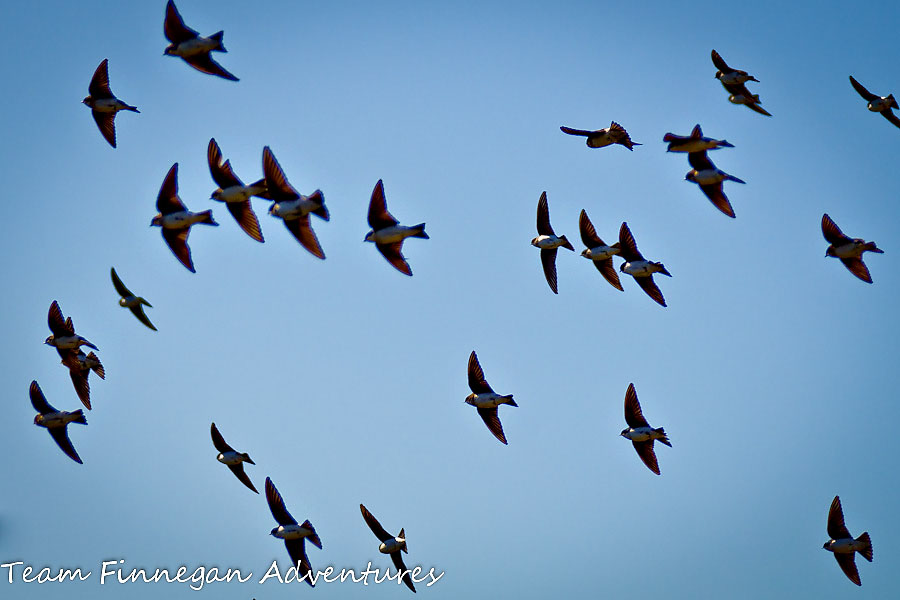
x,y
773,369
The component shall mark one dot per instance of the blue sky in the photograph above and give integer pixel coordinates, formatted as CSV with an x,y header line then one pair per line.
x,y
773,369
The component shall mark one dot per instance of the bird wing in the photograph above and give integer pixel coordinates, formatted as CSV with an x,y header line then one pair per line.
x,y
862,91
301,229
276,505
79,378
374,525
61,437
649,286
491,418
836,527
833,234
176,239
647,454
239,472
297,551
719,62
633,415
700,161
394,255
890,116
218,441
628,247
379,217
38,401
718,198
477,382
204,63
99,86
276,181
221,172
856,266
246,218
106,122
59,326
168,202
548,260
397,557
174,28
543,216
117,283
138,311
571,131
757,108
588,234
608,271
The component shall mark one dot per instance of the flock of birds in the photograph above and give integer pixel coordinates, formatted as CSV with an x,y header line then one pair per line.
x,y
294,209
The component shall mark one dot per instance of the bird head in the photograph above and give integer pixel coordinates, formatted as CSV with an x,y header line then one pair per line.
x,y
88,100
370,237
625,432
586,253
470,399
830,251
156,221
49,341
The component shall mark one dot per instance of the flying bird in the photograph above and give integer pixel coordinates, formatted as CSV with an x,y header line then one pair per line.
x,y
294,535
56,421
293,207
733,81
879,104
548,242
695,142
387,234
190,46
103,104
63,336
849,250
229,456
128,300
485,399
234,193
639,431
390,545
709,178
598,252
175,219
80,367
638,267
842,544
614,134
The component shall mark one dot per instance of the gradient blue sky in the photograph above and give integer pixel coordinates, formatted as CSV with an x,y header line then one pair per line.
x,y
773,369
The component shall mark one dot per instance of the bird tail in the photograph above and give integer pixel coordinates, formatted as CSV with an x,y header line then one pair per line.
x,y
131,108
664,439
867,550
208,218
218,38
892,102
420,233
509,400
264,189
79,418
566,243
402,534
314,537
871,247
98,367
735,179
662,269
247,458
322,211
616,245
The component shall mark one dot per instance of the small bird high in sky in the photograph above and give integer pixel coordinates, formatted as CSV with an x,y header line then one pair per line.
x,y
56,421
80,367
63,336
614,134
175,219
387,234
638,267
232,458
103,104
598,252
879,104
485,399
695,142
128,300
709,178
734,80
293,207
191,47
392,545
843,545
548,242
234,193
294,535
848,250
639,431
